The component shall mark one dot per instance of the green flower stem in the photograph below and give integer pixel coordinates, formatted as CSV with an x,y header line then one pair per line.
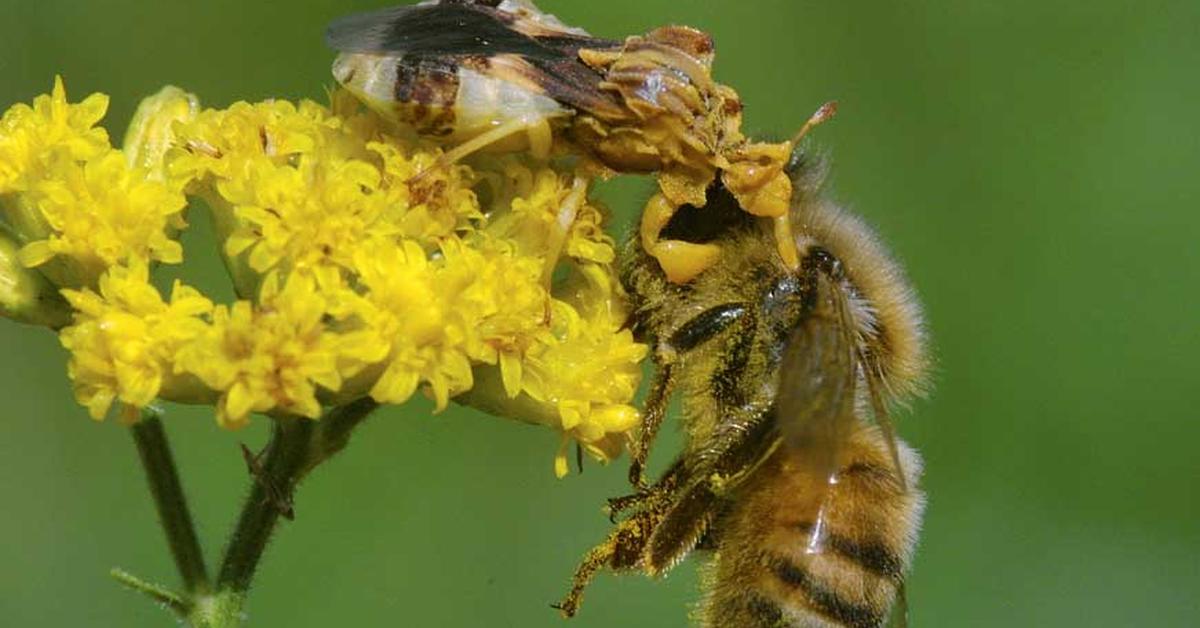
x,y
280,469
169,499
296,447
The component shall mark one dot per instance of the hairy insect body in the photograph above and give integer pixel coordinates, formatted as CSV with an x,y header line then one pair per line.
x,y
778,318
767,573
790,473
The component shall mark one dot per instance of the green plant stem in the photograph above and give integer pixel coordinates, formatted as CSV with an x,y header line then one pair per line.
x,y
170,501
296,447
285,456
166,597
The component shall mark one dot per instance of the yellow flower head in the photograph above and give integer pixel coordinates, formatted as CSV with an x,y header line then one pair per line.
x,y
536,198
76,202
125,338
440,315
589,368
365,266
101,213
269,357
34,137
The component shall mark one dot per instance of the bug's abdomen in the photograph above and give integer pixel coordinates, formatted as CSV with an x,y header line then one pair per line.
x,y
453,100
767,571
422,92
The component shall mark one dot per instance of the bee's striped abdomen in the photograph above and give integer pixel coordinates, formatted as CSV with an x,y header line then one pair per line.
x,y
764,573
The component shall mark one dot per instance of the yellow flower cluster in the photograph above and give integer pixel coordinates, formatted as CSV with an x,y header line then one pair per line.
x,y
363,266
79,206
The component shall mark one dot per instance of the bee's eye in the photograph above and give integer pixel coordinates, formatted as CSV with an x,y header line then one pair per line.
x,y
824,261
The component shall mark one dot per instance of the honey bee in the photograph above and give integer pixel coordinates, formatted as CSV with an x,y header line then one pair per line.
x,y
502,75
791,474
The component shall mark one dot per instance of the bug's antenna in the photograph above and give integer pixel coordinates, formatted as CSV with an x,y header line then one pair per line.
x,y
825,112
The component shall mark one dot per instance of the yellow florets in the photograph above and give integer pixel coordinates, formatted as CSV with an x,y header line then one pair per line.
x,y
364,266
271,356
603,360
72,197
101,213
32,138
126,338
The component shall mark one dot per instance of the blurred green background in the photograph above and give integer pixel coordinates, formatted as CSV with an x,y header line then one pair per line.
x,y
1036,166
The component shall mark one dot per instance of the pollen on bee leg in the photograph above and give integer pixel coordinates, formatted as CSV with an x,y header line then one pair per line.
x,y
785,240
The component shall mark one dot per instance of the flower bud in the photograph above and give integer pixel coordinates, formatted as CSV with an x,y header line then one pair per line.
x,y
25,295
151,132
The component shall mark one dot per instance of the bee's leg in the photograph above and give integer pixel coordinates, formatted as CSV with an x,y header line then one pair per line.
x,y
653,497
281,500
621,551
681,261
562,224
684,512
679,529
593,561
652,418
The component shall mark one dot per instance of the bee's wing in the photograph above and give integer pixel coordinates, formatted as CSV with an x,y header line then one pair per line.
x,y
456,29
815,399
899,615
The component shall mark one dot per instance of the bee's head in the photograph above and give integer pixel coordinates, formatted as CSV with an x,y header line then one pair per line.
x,y
836,249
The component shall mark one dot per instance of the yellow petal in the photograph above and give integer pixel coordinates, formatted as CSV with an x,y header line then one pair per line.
x,y
510,373
561,467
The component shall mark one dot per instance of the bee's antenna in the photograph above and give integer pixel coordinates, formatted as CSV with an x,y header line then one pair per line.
x,y
825,112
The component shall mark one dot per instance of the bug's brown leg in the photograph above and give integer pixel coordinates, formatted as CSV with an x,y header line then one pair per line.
x,y
595,560
280,499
